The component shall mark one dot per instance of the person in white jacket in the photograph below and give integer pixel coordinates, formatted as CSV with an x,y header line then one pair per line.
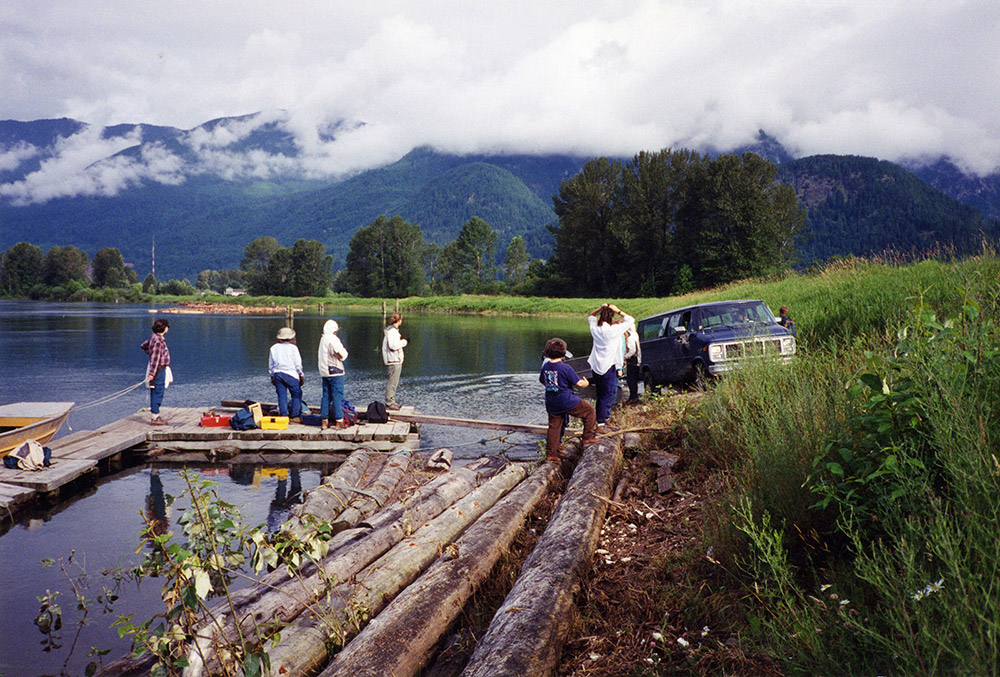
x,y
392,356
332,354
607,356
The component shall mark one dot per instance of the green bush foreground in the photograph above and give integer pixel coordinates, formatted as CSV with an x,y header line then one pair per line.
x,y
859,523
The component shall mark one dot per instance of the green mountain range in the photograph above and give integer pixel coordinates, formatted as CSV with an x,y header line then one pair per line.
x,y
190,197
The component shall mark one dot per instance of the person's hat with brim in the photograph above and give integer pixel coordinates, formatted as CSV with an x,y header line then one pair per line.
x,y
286,334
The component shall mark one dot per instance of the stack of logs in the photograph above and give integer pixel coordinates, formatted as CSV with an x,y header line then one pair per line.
x,y
397,577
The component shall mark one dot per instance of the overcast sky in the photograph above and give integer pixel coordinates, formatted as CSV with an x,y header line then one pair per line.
x,y
897,80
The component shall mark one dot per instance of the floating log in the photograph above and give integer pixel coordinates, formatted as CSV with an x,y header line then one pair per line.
x,y
330,498
375,496
399,641
305,645
280,599
527,633
468,422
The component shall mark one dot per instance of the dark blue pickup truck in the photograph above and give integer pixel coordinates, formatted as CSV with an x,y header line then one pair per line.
x,y
690,344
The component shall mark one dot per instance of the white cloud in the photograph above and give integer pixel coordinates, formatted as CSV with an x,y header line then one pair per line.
x,y
11,158
895,79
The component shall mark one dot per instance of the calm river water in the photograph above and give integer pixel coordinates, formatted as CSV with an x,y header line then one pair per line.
x,y
456,365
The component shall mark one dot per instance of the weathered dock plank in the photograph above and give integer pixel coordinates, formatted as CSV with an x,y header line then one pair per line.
x,y
12,496
48,479
100,446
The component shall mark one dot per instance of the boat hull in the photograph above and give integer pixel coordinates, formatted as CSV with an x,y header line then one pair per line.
x,y
24,421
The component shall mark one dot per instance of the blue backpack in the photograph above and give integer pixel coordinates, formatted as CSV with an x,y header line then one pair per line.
x,y
242,420
350,413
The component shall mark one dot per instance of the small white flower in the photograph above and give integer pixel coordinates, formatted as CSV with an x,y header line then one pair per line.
x,y
683,642
844,602
594,656
633,528
824,587
658,636
649,515
649,660
704,631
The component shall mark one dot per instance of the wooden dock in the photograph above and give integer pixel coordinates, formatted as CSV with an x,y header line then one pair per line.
x,y
85,455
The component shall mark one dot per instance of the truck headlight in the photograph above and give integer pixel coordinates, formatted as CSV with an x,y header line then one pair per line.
x,y
716,352
787,345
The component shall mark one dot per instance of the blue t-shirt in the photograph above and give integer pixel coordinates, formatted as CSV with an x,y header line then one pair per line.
x,y
559,379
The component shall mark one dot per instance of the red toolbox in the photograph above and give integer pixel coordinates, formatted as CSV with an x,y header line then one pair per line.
x,y
214,420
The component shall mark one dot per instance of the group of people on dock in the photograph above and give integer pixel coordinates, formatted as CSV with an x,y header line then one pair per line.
x,y
615,351
286,373
615,348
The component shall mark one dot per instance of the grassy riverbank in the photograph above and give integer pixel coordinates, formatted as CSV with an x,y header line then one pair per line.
x,y
848,509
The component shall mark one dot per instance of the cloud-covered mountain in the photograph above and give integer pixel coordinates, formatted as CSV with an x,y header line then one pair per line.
x,y
202,194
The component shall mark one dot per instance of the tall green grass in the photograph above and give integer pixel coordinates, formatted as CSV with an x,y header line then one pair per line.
x,y
861,517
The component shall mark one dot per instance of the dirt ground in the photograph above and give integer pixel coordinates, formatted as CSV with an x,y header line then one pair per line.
x,y
644,608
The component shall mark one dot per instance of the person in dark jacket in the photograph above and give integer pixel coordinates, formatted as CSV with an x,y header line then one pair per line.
x,y
560,400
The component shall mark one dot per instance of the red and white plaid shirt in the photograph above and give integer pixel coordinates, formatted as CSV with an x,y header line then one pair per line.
x,y
159,355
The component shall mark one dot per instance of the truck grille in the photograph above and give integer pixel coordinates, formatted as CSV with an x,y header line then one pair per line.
x,y
751,348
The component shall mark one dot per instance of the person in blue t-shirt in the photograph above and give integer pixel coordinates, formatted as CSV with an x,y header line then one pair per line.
x,y
560,400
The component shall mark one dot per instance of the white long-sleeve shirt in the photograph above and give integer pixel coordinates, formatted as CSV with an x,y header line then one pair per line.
x,y
284,357
608,350
331,354
392,346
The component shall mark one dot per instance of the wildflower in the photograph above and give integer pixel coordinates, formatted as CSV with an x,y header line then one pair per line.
x,y
824,587
649,515
704,631
594,656
649,660
844,602
657,636
928,589
683,642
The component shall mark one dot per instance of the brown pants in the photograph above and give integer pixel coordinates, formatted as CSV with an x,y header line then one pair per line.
x,y
582,411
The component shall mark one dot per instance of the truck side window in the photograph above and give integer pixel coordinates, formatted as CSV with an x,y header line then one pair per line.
x,y
672,323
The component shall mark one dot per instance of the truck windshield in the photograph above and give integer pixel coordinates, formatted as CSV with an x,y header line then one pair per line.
x,y
736,314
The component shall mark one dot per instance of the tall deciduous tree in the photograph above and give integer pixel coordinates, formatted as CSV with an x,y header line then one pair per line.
x,y
63,264
22,266
109,269
669,222
256,259
587,247
386,259
311,269
474,265
738,221
515,263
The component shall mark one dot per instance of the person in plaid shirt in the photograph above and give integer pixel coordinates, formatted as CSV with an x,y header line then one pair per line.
x,y
159,368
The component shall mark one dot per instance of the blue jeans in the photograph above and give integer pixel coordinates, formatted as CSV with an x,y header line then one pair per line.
x,y
332,402
157,391
606,385
283,385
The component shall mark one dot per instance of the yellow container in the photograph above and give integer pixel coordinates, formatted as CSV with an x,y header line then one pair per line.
x,y
274,423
